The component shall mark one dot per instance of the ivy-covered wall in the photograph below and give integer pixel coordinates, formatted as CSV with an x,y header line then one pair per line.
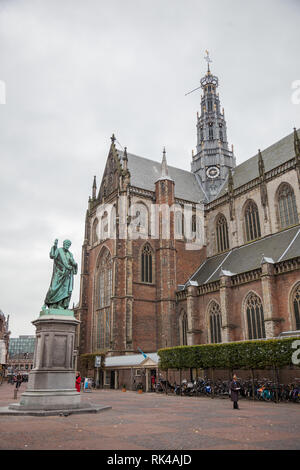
x,y
86,362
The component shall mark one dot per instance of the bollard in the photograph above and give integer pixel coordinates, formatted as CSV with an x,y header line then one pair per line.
x,y
15,393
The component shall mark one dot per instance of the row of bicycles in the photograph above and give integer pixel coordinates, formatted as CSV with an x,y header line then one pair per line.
x,y
263,389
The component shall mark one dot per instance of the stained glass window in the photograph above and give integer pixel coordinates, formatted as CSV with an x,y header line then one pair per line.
x,y
287,206
146,261
255,317
222,234
183,328
252,224
103,300
215,322
296,307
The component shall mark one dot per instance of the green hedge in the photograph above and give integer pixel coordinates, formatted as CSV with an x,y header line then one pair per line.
x,y
237,355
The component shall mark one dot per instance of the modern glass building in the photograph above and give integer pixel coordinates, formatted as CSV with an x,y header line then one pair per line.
x,y
22,347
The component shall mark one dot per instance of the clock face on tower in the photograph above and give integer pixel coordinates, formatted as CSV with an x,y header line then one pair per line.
x,y
212,172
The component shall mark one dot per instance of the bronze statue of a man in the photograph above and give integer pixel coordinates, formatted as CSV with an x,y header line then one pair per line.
x,y
64,268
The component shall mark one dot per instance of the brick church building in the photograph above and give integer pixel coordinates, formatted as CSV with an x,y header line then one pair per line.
x,y
175,257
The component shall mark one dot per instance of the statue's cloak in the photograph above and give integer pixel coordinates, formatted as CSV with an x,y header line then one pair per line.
x,y
64,268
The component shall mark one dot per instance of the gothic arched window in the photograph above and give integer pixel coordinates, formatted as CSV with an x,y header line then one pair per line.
x,y
215,323
222,234
178,223
252,224
140,218
146,264
255,317
104,226
95,231
194,223
296,307
287,206
103,293
113,226
201,133
183,328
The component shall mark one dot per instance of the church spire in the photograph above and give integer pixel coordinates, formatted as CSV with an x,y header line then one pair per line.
x,y
164,172
213,158
94,188
125,159
164,166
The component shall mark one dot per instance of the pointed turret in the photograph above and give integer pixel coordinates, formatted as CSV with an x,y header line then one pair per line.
x,y
261,165
164,168
125,159
165,199
94,188
263,186
230,182
297,153
230,194
296,144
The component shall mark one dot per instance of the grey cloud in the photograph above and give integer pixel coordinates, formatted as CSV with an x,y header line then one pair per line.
x,y
77,71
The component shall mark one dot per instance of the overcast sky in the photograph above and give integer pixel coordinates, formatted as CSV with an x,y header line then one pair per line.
x,y
76,71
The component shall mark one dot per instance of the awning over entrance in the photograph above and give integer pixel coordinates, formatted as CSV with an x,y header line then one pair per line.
x,y
132,371
133,360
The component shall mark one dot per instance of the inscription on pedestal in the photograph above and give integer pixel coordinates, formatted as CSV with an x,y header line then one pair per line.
x,y
59,354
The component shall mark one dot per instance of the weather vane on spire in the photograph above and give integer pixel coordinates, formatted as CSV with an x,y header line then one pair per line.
x,y
208,78
208,59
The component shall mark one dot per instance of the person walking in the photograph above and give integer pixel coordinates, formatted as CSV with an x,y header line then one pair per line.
x,y
18,380
78,381
153,383
234,388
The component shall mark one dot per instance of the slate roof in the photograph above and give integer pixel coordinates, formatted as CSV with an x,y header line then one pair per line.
x,y
273,156
280,246
145,172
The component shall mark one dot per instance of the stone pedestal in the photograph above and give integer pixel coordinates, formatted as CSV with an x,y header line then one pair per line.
x,y
51,384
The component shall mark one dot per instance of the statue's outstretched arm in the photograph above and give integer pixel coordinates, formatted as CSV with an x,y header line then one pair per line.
x,y
54,249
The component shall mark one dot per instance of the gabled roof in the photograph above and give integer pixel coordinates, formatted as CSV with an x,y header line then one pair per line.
x,y
273,156
131,360
280,246
144,173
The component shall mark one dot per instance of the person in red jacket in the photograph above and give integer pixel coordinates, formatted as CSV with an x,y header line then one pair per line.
x,y
78,381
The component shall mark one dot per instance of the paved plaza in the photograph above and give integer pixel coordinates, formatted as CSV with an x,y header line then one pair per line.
x,y
152,421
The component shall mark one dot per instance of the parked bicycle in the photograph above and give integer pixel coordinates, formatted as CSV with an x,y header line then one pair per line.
x,y
263,389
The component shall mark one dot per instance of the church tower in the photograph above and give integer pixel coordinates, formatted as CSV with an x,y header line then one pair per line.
x,y
166,258
213,159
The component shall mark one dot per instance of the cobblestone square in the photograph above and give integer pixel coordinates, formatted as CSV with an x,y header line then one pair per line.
x,y
153,421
